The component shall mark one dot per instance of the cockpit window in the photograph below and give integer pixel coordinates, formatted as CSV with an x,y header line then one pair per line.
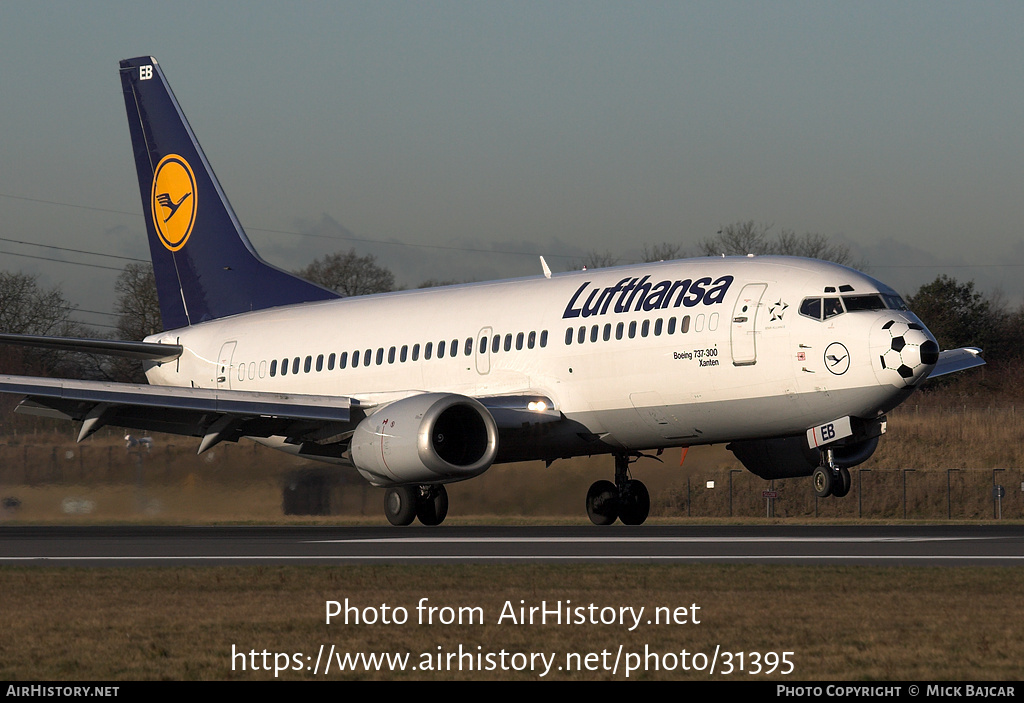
x,y
833,307
894,302
854,303
811,307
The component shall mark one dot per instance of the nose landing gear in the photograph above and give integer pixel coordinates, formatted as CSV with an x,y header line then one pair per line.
x,y
830,479
627,499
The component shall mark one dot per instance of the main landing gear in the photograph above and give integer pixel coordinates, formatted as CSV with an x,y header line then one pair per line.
x,y
403,504
627,499
830,479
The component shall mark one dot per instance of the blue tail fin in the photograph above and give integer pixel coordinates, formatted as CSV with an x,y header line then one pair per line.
x,y
205,266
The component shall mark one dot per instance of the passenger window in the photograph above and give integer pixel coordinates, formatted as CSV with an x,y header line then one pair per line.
x,y
405,353
632,329
366,357
343,360
440,349
519,341
582,336
320,362
415,352
671,326
391,355
684,324
645,327
455,348
295,365
330,362
273,368
593,333
531,341
469,346
495,343
544,338
657,327
380,355
618,330
568,337
508,342
428,350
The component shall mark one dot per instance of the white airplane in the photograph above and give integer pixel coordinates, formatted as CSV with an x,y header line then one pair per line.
x,y
792,361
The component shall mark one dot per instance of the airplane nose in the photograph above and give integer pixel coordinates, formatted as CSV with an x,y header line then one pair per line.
x,y
906,352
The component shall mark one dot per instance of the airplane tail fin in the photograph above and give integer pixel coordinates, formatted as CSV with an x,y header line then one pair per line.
x,y
205,266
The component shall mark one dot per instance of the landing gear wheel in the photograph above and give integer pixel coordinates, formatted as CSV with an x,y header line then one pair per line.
x,y
841,486
432,506
603,503
634,503
400,504
821,479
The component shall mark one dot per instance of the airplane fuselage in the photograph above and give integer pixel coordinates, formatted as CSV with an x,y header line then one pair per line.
x,y
654,355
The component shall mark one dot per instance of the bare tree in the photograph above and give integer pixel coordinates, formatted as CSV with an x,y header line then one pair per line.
x,y
28,308
137,304
742,238
665,251
349,274
594,260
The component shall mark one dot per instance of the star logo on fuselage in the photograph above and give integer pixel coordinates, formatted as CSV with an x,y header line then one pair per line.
x,y
777,310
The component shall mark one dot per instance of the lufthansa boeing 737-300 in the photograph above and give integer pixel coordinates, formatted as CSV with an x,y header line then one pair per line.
x,y
794,362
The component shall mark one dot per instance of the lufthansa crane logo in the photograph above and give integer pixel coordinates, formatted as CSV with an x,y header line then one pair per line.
x,y
837,358
173,201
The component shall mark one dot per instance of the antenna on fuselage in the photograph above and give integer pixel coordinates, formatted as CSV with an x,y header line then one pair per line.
x,y
545,268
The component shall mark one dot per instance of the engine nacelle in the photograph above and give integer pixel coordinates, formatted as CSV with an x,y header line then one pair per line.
x,y
428,438
790,457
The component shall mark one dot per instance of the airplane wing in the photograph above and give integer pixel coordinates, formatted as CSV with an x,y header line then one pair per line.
x,y
213,414
953,360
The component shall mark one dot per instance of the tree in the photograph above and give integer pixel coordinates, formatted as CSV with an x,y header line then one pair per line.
x,y
662,252
349,274
960,316
742,238
137,305
594,260
28,308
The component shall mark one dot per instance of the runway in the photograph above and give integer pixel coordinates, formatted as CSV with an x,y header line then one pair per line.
x,y
989,545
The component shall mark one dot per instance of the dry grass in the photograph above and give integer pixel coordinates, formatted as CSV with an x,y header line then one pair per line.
x,y
840,622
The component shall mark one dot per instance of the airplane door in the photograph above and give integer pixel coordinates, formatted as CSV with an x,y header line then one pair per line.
x,y
744,322
483,351
224,365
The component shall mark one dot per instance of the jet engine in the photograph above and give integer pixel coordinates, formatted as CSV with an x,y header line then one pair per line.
x,y
790,457
427,438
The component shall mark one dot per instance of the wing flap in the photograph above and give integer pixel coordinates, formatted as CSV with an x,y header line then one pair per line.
x,y
214,414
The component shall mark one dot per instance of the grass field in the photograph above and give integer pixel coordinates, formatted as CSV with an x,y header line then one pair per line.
x,y
838,623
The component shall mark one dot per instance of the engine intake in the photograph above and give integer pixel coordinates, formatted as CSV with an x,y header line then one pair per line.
x,y
427,438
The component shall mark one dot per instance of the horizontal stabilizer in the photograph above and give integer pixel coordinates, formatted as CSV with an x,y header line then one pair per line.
x,y
143,351
953,360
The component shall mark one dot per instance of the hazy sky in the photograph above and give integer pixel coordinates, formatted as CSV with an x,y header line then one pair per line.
x,y
433,132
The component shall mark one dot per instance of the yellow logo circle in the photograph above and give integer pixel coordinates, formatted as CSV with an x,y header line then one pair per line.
x,y
173,201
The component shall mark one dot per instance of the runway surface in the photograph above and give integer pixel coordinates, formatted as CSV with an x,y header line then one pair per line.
x,y
991,545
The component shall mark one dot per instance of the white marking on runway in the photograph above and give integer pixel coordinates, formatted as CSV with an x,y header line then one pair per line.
x,y
639,540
